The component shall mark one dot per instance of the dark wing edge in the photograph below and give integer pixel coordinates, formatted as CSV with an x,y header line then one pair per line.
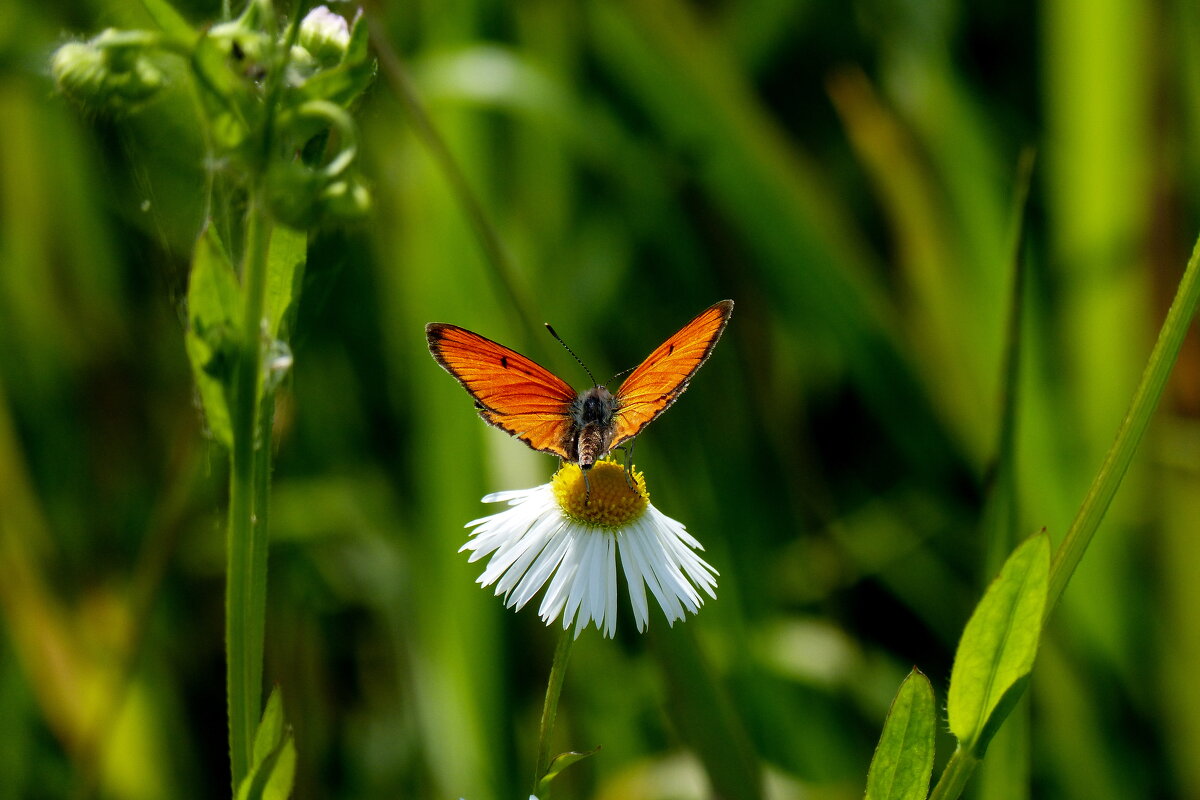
x,y
522,425
723,311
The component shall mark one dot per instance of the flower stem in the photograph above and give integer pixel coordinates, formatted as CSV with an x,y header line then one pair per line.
x,y
1129,435
558,671
246,579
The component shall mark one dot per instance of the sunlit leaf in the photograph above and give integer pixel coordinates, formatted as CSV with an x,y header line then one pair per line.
x,y
274,769
559,763
998,646
270,729
285,274
903,758
214,302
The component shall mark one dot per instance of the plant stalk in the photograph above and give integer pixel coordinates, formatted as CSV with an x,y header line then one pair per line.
x,y
558,671
955,776
1145,399
246,578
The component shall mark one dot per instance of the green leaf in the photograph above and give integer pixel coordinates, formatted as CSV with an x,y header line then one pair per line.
x,y
214,302
270,729
998,646
223,92
340,84
903,760
359,47
285,274
168,19
558,764
274,769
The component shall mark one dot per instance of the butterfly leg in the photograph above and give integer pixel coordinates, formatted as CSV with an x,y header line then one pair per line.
x,y
628,451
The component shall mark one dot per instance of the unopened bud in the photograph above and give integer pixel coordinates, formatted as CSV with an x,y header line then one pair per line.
x,y
109,73
325,35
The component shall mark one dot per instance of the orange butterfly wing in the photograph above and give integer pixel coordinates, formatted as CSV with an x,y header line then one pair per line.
x,y
511,392
663,376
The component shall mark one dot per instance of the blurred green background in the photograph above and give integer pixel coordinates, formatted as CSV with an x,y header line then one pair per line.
x,y
846,172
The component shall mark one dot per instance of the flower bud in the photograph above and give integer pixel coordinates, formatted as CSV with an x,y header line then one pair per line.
x,y
112,72
325,35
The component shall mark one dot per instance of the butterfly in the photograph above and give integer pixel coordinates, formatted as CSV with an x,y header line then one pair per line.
x,y
530,402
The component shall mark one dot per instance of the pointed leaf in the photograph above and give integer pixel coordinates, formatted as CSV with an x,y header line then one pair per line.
x,y
272,779
214,300
998,646
274,769
903,760
285,274
270,729
561,762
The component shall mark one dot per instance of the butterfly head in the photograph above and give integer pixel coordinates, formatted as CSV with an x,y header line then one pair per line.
x,y
594,406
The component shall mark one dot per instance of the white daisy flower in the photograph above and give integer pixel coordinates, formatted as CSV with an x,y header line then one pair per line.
x,y
567,536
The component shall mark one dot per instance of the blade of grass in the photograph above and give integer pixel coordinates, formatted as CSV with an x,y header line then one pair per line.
x,y
1005,775
1145,400
1104,486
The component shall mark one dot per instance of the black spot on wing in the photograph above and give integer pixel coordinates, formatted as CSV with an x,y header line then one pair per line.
x,y
504,362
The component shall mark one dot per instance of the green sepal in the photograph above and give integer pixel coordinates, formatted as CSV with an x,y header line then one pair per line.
x,y
903,760
214,305
344,82
998,646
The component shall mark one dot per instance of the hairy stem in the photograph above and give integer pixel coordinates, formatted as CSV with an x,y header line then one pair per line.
x,y
246,578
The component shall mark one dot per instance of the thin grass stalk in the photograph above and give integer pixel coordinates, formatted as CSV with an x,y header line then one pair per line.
x,y
558,671
1069,553
1145,400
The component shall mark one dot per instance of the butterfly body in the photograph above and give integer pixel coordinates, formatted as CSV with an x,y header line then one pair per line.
x,y
592,426
528,401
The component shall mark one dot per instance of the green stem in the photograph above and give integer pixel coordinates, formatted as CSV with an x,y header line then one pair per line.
x,y
1129,435
1108,479
558,671
246,579
955,776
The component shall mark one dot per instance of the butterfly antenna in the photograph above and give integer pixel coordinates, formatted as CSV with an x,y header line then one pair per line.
x,y
619,374
572,352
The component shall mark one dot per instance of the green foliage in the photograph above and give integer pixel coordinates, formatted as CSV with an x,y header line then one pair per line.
x,y
856,456
903,759
285,279
998,646
273,770
557,765
214,304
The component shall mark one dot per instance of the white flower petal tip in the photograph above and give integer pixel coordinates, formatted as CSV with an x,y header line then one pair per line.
x,y
567,536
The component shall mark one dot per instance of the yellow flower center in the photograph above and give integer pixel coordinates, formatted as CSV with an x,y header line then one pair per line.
x,y
610,503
